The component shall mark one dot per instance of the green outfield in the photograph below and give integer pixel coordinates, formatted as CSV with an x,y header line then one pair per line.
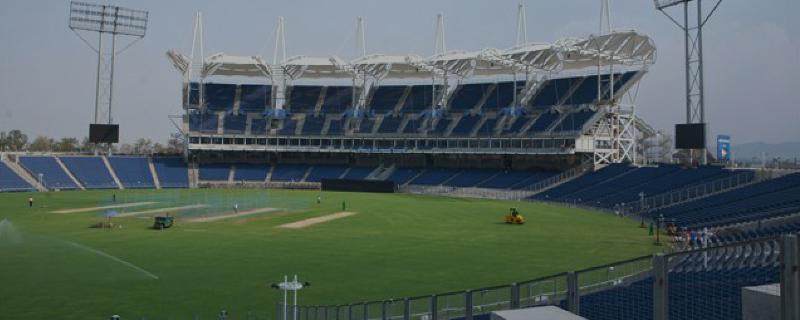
x,y
55,266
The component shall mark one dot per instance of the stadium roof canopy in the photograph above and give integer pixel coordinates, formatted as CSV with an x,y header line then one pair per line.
x,y
221,64
627,48
381,66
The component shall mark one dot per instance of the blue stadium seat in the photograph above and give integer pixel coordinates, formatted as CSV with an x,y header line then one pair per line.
x,y
255,97
544,122
234,124
319,172
258,126
465,125
434,176
574,121
390,124
337,99
53,176
219,96
251,172
366,125
336,127
502,96
385,98
467,96
172,172
90,171
303,99
132,172
10,181
487,128
440,127
413,126
288,128
516,126
402,175
420,98
471,177
289,172
313,125
194,95
203,122
215,171
358,173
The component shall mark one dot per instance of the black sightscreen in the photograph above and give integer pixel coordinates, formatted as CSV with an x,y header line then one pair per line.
x,y
358,185
690,136
104,133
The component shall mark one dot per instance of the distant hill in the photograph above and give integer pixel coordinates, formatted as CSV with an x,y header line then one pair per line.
x,y
746,151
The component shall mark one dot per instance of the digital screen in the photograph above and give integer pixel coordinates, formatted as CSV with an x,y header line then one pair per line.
x,y
104,133
690,136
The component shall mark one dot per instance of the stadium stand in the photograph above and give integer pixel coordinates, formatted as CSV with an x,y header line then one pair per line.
x,y
258,126
440,127
313,125
133,172
53,176
203,122
10,181
465,125
215,171
335,127
251,172
385,98
767,199
219,96
320,172
358,173
254,98
303,99
289,172
544,122
502,96
234,124
419,98
390,124
90,171
337,99
402,175
470,178
172,172
433,177
574,121
467,96
289,127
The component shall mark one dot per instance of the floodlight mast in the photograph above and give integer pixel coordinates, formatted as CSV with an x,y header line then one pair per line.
x,y
693,45
113,21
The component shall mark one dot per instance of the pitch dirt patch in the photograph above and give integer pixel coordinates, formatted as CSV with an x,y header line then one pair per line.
x,y
162,210
116,206
316,220
229,214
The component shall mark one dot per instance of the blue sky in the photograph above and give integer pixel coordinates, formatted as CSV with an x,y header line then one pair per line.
x,y
47,74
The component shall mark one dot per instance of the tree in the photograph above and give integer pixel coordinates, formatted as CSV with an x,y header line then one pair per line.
x,y
176,143
16,140
42,144
67,145
143,146
87,145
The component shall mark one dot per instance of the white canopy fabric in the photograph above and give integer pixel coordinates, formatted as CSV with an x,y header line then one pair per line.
x,y
627,48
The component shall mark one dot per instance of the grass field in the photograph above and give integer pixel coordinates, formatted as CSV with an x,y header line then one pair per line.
x,y
53,266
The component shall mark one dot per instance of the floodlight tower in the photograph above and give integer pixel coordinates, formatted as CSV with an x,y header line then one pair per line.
x,y
109,22
693,45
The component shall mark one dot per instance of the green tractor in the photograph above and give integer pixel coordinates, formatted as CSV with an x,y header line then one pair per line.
x,y
163,222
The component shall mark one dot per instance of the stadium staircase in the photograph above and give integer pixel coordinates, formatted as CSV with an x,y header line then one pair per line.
x,y
112,172
232,174
154,173
69,173
25,175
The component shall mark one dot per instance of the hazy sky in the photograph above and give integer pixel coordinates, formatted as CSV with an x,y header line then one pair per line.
x,y
47,75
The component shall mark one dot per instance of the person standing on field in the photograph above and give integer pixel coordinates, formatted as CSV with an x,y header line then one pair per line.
x,y
30,202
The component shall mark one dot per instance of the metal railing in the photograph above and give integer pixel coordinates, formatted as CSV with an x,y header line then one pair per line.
x,y
646,287
691,193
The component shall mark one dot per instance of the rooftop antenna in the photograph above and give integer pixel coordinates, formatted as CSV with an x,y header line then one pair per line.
x,y
361,43
280,43
693,45
439,44
522,25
